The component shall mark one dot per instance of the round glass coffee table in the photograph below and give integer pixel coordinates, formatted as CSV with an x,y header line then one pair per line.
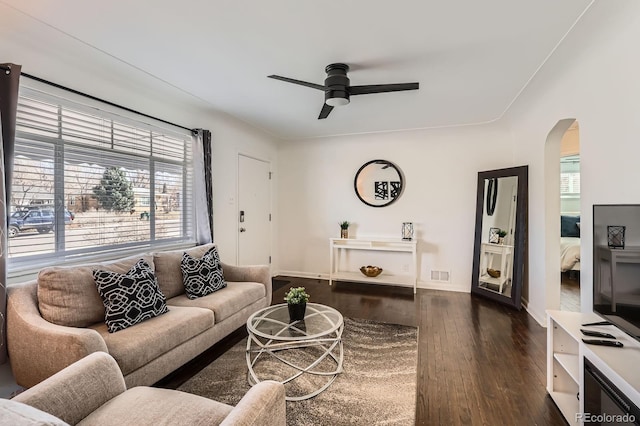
x,y
290,351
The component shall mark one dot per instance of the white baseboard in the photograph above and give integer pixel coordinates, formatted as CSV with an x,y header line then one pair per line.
x,y
542,320
298,274
430,285
421,284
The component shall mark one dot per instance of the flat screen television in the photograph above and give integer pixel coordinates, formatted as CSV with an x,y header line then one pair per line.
x,y
616,265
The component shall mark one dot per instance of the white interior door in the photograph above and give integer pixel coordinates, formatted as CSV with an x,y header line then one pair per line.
x,y
254,211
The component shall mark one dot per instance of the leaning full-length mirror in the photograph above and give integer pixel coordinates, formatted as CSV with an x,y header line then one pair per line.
x,y
500,236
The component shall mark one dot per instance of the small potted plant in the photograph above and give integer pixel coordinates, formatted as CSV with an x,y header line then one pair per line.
x,y
297,299
344,229
501,234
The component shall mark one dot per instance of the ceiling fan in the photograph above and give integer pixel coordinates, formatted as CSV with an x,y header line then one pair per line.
x,y
337,89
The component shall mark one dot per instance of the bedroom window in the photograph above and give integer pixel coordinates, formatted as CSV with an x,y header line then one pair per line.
x,y
88,181
570,185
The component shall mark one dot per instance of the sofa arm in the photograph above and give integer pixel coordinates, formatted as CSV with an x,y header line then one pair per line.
x,y
263,405
37,348
252,273
78,390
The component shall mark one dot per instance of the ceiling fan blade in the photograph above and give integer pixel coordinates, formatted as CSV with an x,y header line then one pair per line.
x,y
381,88
301,83
324,113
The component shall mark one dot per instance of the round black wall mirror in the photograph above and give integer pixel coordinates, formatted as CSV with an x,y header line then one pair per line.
x,y
378,183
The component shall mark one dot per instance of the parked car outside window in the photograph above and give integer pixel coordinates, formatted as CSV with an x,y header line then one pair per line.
x,y
38,218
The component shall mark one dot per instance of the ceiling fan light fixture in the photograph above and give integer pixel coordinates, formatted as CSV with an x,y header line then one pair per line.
x,y
334,102
337,87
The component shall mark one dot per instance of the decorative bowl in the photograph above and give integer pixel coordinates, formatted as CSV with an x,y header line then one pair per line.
x,y
493,273
371,271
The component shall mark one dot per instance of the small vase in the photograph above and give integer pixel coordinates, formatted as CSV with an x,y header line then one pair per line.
x,y
344,233
297,311
501,240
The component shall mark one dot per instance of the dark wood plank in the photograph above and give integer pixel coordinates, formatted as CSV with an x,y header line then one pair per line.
x,y
479,363
570,291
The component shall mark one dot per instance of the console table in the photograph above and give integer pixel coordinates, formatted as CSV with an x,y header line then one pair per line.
x,y
613,257
338,245
487,253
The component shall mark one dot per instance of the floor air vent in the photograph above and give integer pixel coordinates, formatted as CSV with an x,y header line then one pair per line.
x,y
440,276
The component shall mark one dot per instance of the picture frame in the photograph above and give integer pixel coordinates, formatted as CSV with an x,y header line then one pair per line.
x,y
494,236
615,236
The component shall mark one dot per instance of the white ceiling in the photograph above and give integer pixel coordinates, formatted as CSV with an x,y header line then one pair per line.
x,y
472,58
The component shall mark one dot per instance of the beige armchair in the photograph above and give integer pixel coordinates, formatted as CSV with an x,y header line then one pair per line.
x,y
92,391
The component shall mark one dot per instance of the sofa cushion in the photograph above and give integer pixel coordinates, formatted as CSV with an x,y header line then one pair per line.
x,y
226,302
153,406
167,266
19,414
129,298
202,276
138,345
68,295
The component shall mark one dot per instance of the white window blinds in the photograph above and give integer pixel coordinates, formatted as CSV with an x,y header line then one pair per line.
x,y
89,181
570,175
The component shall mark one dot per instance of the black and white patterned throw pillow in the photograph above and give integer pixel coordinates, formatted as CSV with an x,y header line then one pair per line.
x,y
202,276
130,298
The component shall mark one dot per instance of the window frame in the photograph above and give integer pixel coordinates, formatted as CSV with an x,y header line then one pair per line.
x,y
60,255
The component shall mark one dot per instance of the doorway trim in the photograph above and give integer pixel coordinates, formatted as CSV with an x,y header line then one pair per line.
x,y
552,212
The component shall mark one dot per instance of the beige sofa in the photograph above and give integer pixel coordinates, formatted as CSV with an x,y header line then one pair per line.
x,y
59,318
92,392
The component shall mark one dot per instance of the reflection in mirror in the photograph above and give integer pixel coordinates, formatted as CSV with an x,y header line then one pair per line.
x,y
498,220
500,234
378,183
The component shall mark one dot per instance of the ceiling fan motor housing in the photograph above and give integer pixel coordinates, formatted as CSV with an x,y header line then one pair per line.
x,y
337,82
337,87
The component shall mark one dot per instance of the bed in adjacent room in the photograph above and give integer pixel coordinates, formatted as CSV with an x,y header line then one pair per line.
x,y
569,243
569,254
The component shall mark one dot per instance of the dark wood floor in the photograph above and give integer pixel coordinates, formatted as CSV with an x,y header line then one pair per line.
x,y
479,363
570,291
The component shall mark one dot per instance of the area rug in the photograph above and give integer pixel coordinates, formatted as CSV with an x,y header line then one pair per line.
x,y
377,387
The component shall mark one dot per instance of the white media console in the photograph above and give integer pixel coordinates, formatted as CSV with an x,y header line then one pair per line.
x,y
565,365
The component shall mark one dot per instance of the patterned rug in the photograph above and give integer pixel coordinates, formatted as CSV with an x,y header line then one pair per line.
x,y
377,387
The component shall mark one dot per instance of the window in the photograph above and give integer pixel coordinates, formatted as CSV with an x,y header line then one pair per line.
x,y
88,181
570,176
570,185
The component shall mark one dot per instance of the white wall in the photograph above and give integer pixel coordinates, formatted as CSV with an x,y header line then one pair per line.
x,y
593,77
316,192
49,54
504,213
41,52
229,138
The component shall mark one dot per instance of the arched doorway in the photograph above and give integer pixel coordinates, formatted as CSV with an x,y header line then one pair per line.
x,y
570,214
552,158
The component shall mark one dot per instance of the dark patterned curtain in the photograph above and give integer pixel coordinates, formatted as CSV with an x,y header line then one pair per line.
x,y
203,186
208,177
9,81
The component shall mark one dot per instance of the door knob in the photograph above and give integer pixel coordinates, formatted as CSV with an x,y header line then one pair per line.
x,y
243,229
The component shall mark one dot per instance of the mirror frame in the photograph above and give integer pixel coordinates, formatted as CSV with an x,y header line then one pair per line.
x,y
520,237
387,162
